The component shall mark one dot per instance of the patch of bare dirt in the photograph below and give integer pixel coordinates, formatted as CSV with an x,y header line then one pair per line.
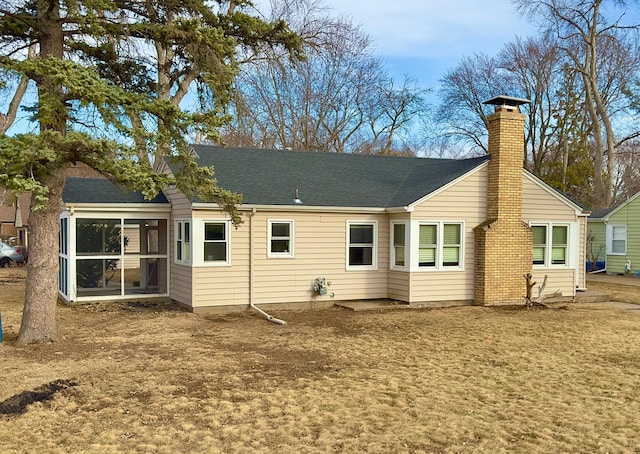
x,y
18,403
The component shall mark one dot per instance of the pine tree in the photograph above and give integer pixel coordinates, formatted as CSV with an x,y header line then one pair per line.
x,y
110,78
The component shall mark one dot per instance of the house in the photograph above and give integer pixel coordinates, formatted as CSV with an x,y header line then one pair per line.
x,y
615,236
8,221
14,218
323,227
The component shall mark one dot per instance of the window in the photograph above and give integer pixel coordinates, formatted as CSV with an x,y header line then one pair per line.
x,y
215,245
428,245
451,245
361,239
398,245
539,244
550,249
440,245
183,241
280,238
559,236
616,239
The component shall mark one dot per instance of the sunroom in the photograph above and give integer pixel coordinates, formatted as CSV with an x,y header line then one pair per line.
x,y
113,244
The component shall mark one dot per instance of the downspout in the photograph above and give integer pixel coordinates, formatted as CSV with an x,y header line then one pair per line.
x,y
251,303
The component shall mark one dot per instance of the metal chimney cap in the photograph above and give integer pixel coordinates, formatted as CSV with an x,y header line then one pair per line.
x,y
504,100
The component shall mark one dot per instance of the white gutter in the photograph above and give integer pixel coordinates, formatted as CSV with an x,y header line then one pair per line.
x,y
112,207
251,303
324,209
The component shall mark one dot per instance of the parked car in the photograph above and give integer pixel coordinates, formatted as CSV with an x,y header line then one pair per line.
x,y
10,254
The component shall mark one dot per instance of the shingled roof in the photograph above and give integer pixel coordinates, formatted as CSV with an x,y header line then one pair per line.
x,y
100,190
271,177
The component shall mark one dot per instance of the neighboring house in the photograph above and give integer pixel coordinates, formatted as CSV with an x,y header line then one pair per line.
x,y
616,233
8,221
325,227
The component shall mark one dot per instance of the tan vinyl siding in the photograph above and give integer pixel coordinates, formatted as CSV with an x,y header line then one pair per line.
x,y
181,275
558,279
132,235
399,283
319,251
181,283
539,205
581,281
464,201
180,205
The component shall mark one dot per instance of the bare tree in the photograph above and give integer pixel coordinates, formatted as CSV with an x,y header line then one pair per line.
x,y
627,179
340,98
600,48
462,116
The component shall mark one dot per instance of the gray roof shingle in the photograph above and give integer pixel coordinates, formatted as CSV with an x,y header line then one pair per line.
x,y
100,190
271,177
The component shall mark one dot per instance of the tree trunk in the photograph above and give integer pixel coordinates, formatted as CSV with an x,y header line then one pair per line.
x,y
39,315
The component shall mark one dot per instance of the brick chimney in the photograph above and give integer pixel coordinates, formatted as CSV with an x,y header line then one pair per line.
x,y
503,243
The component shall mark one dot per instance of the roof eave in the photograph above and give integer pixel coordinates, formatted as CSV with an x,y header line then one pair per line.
x,y
298,208
113,207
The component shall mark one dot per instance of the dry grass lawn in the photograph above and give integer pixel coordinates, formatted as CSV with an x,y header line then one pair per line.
x,y
468,379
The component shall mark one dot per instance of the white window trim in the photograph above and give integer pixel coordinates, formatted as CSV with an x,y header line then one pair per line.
x,y
609,237
571,241
281,255
374,252
178,225
197,241
439,266
407,244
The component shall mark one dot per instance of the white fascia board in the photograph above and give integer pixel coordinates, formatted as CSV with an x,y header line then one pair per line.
x,y
578,209
412,206
118,207
300,208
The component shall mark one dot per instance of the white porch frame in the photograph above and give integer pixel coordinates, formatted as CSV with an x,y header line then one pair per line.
x,y
121,212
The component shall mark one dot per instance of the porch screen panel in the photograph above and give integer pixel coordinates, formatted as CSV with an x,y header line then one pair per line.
x,y
98,236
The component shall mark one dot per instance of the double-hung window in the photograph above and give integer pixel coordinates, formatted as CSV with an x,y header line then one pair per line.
x,y
183,240
550,244
398,246
440,245
428,252
280,238
216,242
361,245
616,239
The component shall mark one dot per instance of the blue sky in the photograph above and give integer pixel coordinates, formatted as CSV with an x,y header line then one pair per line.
x,y
424,38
